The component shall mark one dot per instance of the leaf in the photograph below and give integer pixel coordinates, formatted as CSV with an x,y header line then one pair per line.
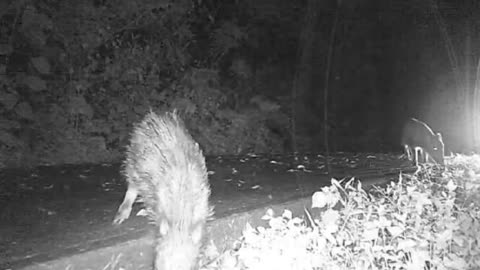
x,y
8,100
78,105
4,7
35,83
41,64
287,214
276,223
370,234
33,26
228,262
24,110
8,124
451,185
330,219
383,222
31,18
268,215
329,196
421,200
418,260
225,38
459,241
264,105
5,49
8,139
319,200
395,230
406,244
453,261
248,228
443,239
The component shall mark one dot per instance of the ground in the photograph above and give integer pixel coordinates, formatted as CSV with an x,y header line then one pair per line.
x,y
51,212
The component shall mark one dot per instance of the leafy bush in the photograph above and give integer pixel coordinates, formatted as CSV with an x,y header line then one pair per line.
x,y
219,128
77,74
421,222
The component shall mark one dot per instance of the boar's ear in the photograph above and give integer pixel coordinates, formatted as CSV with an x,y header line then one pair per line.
x,y
439,136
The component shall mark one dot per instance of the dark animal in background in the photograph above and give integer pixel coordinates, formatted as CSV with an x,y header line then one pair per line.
x,y
165,167
419,137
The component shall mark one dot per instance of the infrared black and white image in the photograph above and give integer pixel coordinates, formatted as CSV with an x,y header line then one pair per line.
x,y
236,135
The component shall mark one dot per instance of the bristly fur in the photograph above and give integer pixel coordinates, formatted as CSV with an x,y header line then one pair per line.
x,y
166,168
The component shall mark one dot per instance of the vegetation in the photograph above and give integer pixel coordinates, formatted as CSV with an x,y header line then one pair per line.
x,y
428,220
75,75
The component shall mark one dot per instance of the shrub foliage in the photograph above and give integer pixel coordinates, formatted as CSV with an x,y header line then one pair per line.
x,y
76,74
423,221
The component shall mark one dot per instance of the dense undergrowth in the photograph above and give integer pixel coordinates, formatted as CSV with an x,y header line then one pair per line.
x,y
428,220
75,75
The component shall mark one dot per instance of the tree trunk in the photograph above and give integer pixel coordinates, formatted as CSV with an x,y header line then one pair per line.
x,y
302,79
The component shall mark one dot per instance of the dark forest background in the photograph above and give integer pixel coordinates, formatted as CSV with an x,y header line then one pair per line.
x,y
75,74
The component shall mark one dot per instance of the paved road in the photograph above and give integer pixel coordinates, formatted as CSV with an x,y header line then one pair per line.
x,y
50,212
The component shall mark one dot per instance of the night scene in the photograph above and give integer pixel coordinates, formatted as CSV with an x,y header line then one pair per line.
x,y
239,135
